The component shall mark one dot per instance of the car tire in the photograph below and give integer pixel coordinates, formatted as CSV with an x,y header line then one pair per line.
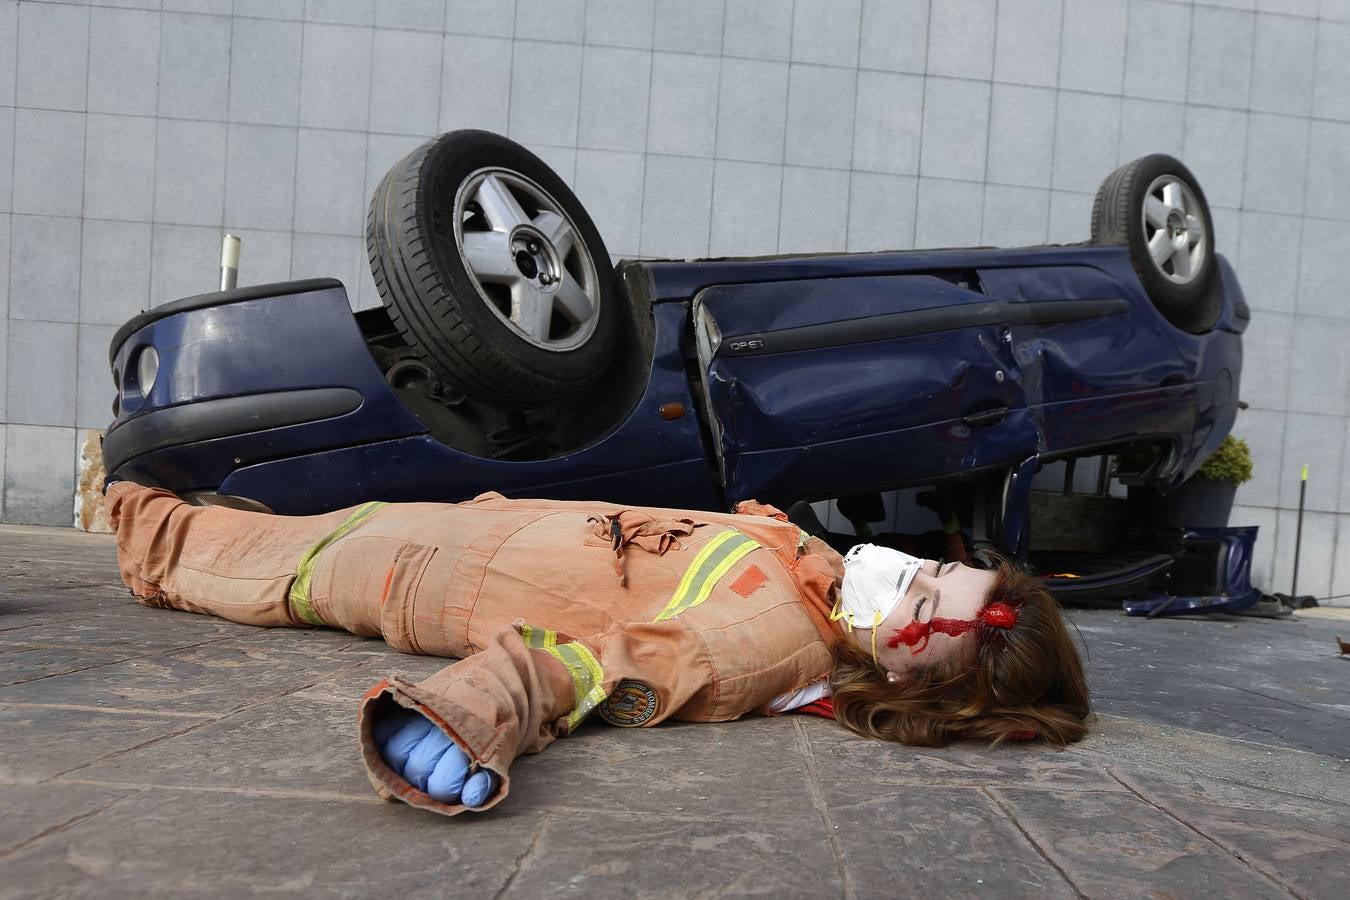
x,y
492,271
1155,207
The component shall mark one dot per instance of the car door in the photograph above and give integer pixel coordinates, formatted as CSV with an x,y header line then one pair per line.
x,y
1106,376
831,386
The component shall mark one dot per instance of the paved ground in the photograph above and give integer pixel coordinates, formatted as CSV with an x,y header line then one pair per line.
x,y
145,751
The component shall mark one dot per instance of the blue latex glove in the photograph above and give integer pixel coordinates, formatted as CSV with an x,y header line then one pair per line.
x,y
428,760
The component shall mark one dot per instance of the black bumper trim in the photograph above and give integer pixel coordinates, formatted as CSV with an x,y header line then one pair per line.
x,y
206,420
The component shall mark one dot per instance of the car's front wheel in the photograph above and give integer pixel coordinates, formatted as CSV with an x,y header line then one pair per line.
x,y
1155,206
492,271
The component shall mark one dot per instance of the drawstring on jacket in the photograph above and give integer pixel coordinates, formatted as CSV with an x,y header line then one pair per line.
x,y
629,527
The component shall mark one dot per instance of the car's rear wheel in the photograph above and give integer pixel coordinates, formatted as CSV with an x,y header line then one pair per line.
x,y
1155,207
492,271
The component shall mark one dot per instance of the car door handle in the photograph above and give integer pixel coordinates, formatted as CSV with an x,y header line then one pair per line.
x,y
985,418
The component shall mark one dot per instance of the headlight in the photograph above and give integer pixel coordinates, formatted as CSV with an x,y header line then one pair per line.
x,y
147,367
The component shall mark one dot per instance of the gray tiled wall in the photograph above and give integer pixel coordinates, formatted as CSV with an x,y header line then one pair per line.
x,y
134,132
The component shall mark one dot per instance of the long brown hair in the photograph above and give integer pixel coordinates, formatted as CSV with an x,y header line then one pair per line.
x,y
1027,681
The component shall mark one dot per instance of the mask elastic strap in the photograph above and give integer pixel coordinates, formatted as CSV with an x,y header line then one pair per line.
x,y
876,623
837,613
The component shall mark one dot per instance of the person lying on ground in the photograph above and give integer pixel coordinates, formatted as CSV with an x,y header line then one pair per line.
x,y
561,610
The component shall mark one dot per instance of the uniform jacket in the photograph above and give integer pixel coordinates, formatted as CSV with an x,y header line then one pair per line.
x,y
560,609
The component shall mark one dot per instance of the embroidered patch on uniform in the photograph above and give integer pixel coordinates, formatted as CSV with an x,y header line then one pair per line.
x,y
751,580
632,704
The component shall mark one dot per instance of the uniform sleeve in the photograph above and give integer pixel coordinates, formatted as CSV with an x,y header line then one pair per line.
x,y
529,686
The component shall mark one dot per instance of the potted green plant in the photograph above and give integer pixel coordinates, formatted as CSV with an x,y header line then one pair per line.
x,y
1206,498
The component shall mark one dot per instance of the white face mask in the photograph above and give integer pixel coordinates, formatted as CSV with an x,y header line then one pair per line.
x,y
875,578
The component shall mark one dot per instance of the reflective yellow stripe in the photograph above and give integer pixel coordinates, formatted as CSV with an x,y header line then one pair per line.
x,y
299,595
709,566
712,562
538,638
587,679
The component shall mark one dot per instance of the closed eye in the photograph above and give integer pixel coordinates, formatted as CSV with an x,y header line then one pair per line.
x,y
918,607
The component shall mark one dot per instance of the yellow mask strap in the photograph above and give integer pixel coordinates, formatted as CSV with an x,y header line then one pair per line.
x,y
876,623
837,613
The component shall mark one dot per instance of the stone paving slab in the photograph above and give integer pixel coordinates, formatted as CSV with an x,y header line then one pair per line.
x,y
1300,844
1279,681
154,752
1119,845
923,841
1122,742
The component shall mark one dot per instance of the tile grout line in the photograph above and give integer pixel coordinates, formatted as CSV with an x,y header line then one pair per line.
x,y
870,70
988,126
229,129
365,172
519,864
717,121
822,808
1236,854
63,826
146,301
79,268
108,710
202,724
853,136
1008,813
639,240
815,167
295,167
9,264
923,111
1054,118
1337,529
581,46
787,124
1054,115
281,18
261,793
115,662
1282,791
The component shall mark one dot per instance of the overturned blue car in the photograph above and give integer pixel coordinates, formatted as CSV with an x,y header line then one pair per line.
x,y
510,355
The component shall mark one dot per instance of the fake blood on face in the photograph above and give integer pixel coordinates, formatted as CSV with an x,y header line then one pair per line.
x,y
915,635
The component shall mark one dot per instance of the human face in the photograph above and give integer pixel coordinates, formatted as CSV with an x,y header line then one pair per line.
x,y
950,591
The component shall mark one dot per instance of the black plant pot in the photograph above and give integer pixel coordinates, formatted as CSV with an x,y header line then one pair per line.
x,y
1198,503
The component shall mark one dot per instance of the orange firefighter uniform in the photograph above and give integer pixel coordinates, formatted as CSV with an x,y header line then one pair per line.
x,y
559,609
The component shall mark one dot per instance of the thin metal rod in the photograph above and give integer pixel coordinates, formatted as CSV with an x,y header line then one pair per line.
x,y
1298,529
229,262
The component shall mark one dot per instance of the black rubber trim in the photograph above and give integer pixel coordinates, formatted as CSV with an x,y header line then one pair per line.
x,y
921,321
226,417
1242,310
217,298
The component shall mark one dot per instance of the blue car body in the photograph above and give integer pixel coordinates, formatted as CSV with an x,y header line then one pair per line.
x,y
778,378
